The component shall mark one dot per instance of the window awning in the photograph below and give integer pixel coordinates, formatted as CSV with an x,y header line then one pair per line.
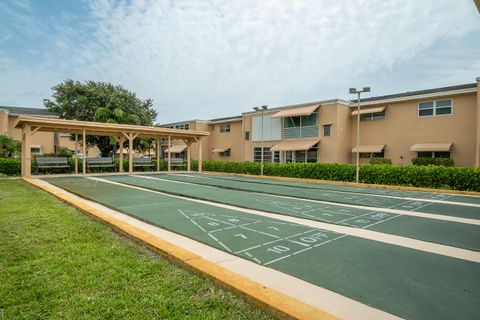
x,y
369,148
177,148
223,149
296,112
431,147
295,145
369,110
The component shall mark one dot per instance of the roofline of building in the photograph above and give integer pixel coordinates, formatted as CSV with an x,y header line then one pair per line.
x,y
413,97
419,94
7,109
226,119
212,121
323,102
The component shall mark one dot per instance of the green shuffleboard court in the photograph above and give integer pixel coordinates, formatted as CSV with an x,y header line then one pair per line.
x,y
346,197
405,282
461,235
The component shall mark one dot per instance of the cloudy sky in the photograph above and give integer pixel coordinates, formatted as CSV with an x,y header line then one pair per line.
x,y
212,58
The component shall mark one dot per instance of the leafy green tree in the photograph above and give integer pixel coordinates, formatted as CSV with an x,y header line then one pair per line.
x,y
9,146
101,102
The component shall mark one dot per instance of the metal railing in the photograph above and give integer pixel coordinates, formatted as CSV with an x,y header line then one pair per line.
x,y
300,132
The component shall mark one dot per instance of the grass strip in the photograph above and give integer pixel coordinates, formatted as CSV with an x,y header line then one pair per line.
x,y
57,263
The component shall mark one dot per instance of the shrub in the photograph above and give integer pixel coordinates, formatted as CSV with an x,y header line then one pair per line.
x,y
9,146
456,178
10,166
380,161
426,161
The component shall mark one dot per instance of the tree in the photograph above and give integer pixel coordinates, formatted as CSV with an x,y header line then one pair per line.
x,y
9,146
101,102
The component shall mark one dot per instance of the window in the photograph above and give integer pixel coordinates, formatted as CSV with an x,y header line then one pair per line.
x,y
299,156
36,150
181,126
247,135
369,155
433,154
435,108
373,116
268,156
291,122
300,127
327,130
225,127
226,153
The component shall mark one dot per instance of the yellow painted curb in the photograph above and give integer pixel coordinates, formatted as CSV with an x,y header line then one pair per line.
x,y
277,303
350,184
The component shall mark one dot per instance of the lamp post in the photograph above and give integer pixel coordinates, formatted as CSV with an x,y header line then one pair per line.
x,y
262,109
358,92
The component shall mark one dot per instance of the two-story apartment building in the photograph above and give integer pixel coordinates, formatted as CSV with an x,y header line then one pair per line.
x,y
441,122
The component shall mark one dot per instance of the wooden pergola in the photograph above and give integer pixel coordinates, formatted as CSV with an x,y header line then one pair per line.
x,y
120,132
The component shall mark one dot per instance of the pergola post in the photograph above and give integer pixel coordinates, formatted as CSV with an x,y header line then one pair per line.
x,y
26,164
84,151
200,155
76,153
169,154
130,153
188,156
157,150
121,140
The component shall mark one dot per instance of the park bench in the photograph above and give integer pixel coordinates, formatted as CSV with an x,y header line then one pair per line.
x,y
51,163
99,163
175,162
143,162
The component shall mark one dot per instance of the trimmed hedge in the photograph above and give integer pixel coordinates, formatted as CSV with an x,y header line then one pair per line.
x,y
380,161
439,177
424,161
10,166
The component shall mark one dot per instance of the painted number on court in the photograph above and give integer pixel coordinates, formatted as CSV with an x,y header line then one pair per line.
x,y
314,237
278,249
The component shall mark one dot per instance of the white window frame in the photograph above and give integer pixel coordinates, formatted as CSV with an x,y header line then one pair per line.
x,y
434,107
39,150
224,126
329,126
364,118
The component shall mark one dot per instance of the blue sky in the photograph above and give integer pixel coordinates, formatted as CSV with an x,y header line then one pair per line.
x,y
212,58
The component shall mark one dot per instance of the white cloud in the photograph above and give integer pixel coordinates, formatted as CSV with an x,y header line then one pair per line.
x,y
201,59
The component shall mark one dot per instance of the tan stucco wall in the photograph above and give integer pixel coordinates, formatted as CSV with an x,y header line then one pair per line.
x,y
402,128
232,139
43,139
248,144
4,128
477,148
336,147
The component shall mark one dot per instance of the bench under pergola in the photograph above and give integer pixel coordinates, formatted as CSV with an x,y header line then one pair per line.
x,y
120,132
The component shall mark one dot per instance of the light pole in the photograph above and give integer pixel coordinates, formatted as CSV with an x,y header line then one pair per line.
x,y
358,92
262,109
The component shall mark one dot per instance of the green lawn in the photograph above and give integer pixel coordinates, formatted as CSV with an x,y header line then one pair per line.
x,y
56,262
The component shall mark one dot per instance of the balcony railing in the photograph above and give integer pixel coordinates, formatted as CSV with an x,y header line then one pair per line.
x,y
300,132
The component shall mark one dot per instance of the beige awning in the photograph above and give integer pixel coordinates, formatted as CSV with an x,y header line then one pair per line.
x,y
177,148
369,110
295,112
294,145
221,149
431,147
369,148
